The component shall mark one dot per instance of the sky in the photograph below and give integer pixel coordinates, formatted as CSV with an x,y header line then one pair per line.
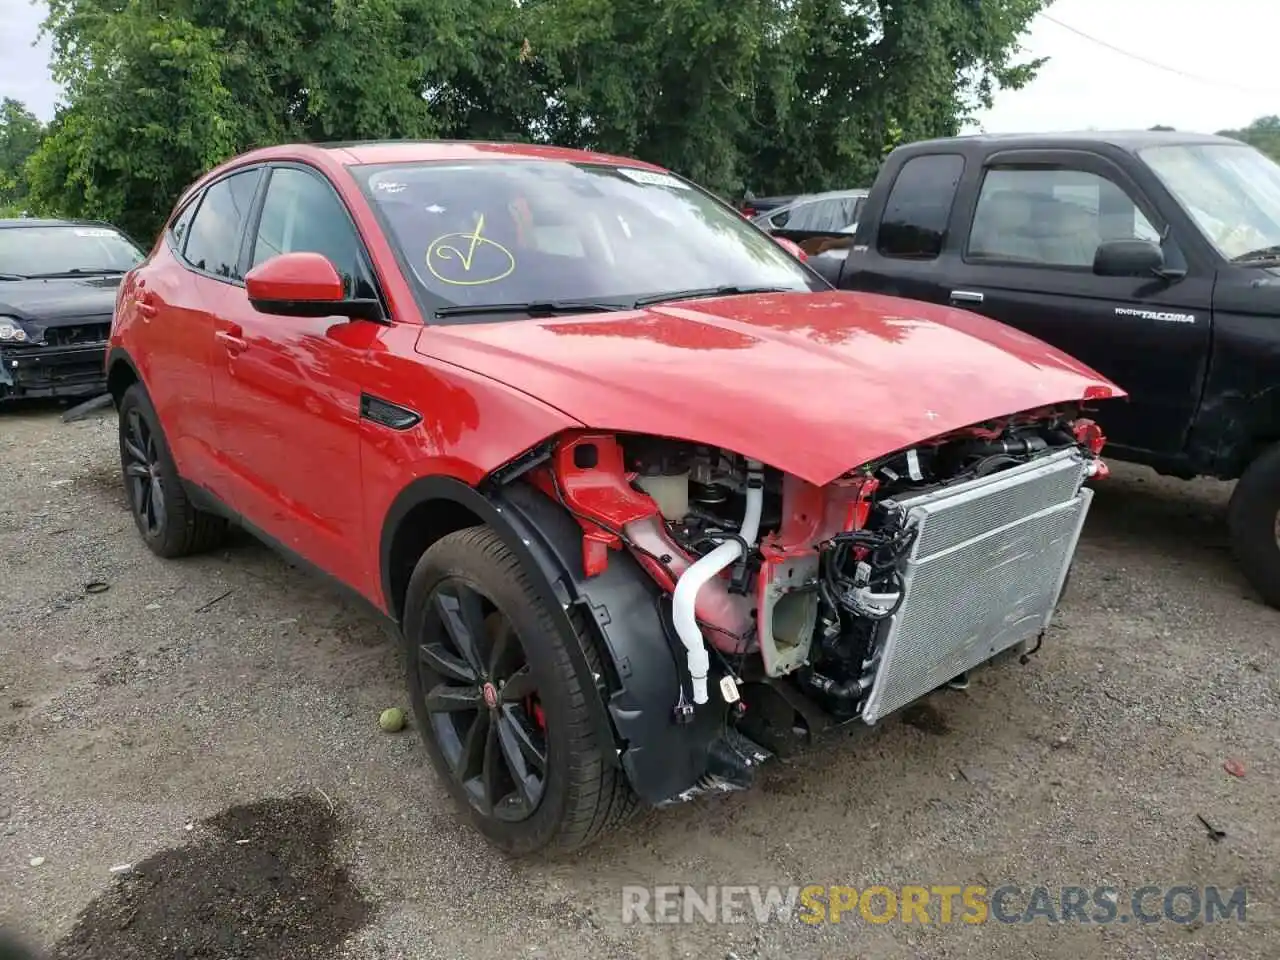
x,y
1206,71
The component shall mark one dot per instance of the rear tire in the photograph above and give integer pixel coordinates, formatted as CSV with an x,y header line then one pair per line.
x,y
169,523
560,790
1254,522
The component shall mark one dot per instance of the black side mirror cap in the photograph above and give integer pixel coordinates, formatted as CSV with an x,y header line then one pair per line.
x,y
361,309
1128,258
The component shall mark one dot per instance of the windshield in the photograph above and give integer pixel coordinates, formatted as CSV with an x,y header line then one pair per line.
x,y
1231,191
517,232
41,251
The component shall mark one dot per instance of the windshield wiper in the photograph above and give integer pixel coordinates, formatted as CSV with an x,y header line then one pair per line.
x,y
13,276
1261,254
77,272
536,308
726,291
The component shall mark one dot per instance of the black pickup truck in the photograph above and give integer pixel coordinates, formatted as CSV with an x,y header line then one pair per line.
x,y
1154,257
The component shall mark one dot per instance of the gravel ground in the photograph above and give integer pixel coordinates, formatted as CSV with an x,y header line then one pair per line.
x,y
193,706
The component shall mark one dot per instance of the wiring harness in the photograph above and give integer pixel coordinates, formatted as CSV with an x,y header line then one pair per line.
x,y
874,590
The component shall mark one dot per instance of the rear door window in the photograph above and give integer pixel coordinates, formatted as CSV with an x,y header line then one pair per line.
x,y
213,239
801,215
918,211
831,215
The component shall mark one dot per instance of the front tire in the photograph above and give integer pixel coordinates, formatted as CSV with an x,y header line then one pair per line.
x,y
502,712
1254,522
169,523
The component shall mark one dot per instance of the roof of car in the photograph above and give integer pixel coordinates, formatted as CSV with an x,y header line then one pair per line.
x,y
829,195
15,222
1123,139
352,152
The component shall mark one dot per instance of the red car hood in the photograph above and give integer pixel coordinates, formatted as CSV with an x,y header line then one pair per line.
x,y
812,384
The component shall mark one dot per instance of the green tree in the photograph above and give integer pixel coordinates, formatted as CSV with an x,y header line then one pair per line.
x,y
873,74
147,111
1263,133
20,135
771,94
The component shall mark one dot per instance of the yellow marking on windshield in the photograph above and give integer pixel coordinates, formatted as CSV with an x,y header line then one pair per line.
x,y
496,261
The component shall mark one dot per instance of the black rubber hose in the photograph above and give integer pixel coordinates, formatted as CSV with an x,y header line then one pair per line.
x,y
1012,445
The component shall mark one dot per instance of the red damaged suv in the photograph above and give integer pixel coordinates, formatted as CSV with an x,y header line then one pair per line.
x,y
648,501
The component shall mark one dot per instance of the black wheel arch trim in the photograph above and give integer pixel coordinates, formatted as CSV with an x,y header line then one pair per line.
x,y
119,355
634,711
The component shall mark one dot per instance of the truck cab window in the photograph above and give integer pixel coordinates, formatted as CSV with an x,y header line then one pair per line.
x,y
1052,217
914,223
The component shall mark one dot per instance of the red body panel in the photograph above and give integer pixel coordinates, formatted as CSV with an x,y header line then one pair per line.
x,y
264,411
813,384
163,319
295,276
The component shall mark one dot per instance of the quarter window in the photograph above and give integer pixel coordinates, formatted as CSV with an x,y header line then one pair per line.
x,y
303,214
780,219
213,239
182,223
1052,217
914,224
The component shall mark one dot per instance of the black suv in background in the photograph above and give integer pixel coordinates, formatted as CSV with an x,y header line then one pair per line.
x,y
58,281
1154,257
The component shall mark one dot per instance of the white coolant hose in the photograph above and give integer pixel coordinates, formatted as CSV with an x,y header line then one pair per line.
x,y
684,599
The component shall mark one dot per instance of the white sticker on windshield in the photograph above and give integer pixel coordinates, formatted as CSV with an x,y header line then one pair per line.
x,y
89,232
651,178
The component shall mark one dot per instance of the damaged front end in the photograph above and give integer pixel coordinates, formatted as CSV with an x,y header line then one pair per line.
x,y
779,608
64,359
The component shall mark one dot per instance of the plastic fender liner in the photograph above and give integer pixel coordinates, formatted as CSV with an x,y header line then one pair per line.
x,y
662,759
517,534
118,359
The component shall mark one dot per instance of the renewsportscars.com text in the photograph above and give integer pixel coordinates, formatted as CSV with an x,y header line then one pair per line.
x,y
933,904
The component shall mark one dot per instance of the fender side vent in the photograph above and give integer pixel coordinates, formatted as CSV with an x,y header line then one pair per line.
x,y
388,414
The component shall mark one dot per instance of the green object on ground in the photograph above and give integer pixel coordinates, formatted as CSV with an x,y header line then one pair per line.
x,y
392,720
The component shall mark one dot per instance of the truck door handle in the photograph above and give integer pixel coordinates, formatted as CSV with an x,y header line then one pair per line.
x,y
232,341
966,296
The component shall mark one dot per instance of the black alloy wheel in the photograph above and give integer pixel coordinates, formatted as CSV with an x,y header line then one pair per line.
x,y
170,524
504,714
142,474
480,695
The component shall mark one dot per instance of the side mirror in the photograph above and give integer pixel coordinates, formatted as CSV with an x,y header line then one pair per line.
x,y
792,248
304,285
1128,258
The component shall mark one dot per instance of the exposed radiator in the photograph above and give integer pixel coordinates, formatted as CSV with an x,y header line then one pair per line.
x,y
984,573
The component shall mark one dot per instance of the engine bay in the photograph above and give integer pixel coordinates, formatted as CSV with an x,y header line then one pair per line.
x,y
765,577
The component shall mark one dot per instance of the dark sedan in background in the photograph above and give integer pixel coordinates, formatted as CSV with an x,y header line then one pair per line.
x,y
58,281
834,211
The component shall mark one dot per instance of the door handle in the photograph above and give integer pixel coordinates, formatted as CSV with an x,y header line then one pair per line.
x,y
966,296
145,301
232,341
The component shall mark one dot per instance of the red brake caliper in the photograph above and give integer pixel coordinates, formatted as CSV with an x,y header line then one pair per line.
x,y
534,709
